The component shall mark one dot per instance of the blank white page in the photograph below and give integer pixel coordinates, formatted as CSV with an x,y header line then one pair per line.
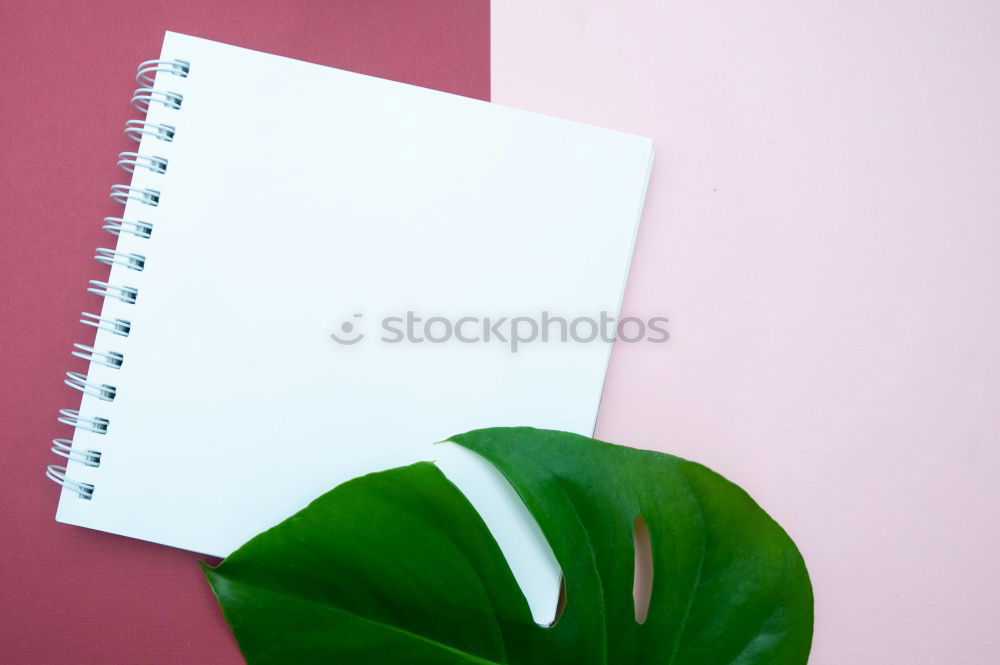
x,y
297,196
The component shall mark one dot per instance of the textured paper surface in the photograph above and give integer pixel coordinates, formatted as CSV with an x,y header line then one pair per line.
x,y
78,595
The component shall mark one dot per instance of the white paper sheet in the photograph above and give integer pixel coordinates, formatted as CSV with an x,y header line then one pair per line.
x,y
297,196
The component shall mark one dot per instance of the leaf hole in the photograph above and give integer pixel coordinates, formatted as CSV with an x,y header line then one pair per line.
x,y
516,531
642,576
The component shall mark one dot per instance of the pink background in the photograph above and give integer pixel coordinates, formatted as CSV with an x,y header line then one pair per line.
x,y
71,595
822,228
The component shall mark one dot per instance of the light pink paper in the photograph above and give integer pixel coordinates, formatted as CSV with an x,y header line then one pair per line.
x,y
822,229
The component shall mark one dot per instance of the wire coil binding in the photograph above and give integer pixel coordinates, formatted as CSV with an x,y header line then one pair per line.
x,y
116,326
72,418
130,161
143,98
117,226
111,359
130,260
134,129
126,294
64,448
57,474
147,70
99,390
124,193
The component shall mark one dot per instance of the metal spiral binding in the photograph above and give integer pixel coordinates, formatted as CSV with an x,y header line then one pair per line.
x,y
142,99
64,448
126,294
116,326
147,70
130,260
99,390
134,129
57,474
111,359
122,194
117,226
72,418
130,161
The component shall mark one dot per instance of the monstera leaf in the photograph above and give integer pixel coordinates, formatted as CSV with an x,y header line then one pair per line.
x,y
398,568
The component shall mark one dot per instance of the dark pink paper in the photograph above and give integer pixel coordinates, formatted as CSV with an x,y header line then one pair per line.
x,y
72,595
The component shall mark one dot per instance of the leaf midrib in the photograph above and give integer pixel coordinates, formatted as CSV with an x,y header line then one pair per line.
x,y
396,629
697,577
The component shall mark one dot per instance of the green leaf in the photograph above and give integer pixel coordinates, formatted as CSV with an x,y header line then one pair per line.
x,y
397,567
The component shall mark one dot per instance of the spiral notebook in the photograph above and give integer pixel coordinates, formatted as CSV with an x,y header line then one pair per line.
x,y
312,278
